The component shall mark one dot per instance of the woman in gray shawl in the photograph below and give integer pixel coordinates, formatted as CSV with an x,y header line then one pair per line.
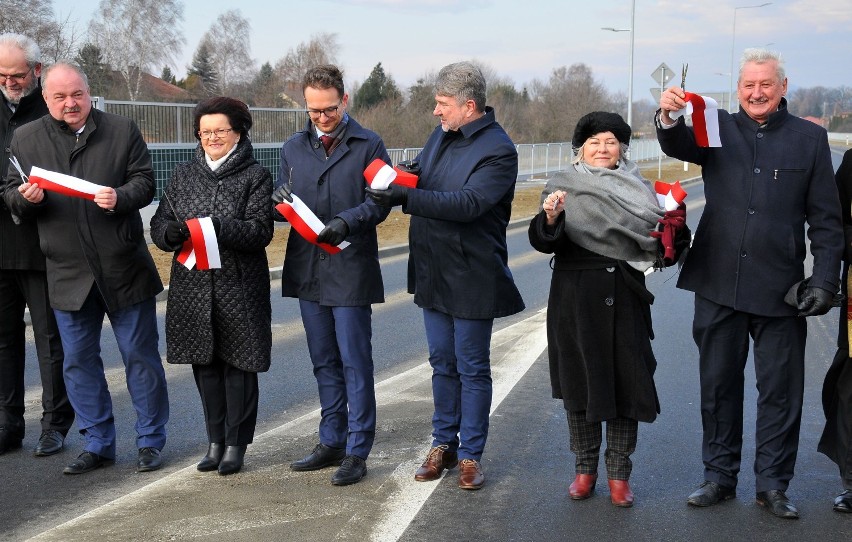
x,y
596,220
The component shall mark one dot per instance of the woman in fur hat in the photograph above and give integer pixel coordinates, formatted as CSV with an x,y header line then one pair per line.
x,y
596,219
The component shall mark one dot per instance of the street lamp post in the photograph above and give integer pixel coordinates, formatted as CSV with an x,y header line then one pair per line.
x,y
632,41
733,44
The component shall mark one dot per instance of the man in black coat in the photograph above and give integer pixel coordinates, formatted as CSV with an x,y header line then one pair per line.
x,y
771,176
23,282
97,260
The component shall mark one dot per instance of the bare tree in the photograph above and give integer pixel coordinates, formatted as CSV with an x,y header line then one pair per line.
x,y
230,51
35,19
321,49
138,36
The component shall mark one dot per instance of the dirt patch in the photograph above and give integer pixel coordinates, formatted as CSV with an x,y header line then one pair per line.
x,y
394,230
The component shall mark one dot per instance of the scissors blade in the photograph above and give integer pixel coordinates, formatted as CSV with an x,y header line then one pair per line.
x,y
14,161
683,77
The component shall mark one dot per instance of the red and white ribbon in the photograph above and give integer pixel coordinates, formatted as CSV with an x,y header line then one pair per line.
x,y
705,119
306,223
669,196
379,176
63,184
202,247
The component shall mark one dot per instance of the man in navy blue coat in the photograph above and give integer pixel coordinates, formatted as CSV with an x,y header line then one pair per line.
x,y
458,266
324,166
771,175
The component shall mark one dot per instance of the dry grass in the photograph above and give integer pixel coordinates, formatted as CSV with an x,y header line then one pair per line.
x,y
394,230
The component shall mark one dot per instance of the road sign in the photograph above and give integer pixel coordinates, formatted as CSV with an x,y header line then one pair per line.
x,y
662,74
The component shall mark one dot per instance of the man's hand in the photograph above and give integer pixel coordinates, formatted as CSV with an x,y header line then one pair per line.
x,y
31,192
334,233
106,198
394,195
671,100
815,301
282,193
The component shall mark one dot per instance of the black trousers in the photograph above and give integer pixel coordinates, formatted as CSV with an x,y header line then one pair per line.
x,y
229,397
621,437
722,335
19,289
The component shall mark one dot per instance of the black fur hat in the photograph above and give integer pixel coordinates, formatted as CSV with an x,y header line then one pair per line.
x,y
597,122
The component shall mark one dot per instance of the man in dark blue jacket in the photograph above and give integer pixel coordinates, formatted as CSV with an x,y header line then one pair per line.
x,y
323,165
771,175
458,267
23,282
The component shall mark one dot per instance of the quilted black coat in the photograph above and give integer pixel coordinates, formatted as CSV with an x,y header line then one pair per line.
x,y
223,313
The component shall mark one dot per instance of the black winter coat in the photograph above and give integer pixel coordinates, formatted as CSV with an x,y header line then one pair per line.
x,y
598,331
19,245
82,243
221,313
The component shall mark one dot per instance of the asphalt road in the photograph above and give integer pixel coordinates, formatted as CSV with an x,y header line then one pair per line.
x,y
527,463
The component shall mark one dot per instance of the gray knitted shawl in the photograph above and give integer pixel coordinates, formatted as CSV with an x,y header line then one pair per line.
x,y
609,211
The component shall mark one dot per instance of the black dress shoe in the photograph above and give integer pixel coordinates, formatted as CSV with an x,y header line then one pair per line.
x,y
710,493
777,503
214,456
843,502
232,459
9,441
149,459
85,462
50,442
323,456
351,471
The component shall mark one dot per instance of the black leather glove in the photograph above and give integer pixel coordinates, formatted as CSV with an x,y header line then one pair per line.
x,y
394,195
334,233
282,193
176,232
815,301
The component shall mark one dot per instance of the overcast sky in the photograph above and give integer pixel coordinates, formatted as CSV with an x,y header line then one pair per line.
x,y
526,40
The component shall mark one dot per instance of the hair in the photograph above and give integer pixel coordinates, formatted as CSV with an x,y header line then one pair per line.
x,y
324,76
27,45
462,81
71,65
762,56
237,112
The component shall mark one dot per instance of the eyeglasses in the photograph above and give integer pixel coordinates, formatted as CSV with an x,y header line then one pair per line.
x,y
15,77
329,112
220,133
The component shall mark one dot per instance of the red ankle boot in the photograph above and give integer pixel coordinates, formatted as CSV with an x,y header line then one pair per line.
x,y
619,492
583,486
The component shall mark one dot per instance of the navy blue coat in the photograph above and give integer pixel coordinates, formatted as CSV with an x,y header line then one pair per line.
x,y
458,263
762,186
334,187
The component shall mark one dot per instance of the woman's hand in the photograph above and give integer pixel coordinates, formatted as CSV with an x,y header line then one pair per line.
x,y
553,206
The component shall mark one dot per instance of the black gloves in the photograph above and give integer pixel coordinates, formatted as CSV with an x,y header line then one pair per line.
x,y
667,232
282,193
334,233
394,195
176,232
815,301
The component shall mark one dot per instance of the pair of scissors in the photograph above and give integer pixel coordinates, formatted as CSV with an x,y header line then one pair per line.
x,y
683,77
14,160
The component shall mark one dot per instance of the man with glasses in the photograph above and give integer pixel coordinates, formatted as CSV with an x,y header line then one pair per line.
x,y
22,272
97,259
323,165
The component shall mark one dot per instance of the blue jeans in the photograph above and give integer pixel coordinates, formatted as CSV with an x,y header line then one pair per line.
x,y
460,355
342,355
135,329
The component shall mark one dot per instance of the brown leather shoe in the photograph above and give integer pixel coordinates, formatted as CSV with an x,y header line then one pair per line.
x,y
470,474
437,460
619,492
583,486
